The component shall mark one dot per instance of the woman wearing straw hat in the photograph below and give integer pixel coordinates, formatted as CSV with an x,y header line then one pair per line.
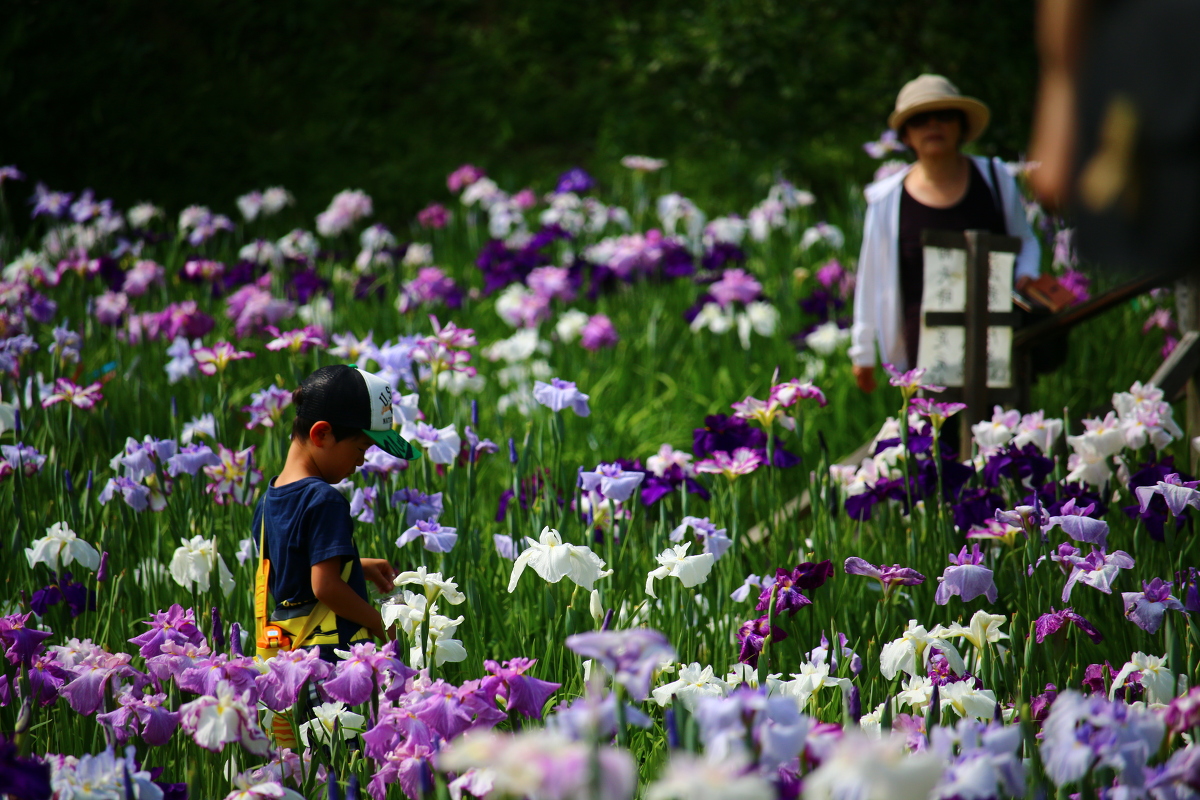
x,y
943,190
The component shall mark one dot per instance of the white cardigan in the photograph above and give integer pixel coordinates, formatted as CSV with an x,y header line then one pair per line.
x,y
878,316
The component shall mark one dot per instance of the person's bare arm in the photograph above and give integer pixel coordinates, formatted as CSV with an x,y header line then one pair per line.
x,y
1061,28
330,589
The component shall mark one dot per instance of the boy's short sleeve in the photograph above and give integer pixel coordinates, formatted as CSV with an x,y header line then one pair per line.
x,y
330,532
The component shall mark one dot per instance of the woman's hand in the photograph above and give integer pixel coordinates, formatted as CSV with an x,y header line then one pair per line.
x,y
379,572
865,378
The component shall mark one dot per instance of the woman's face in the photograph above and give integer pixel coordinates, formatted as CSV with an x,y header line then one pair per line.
x,y
933,133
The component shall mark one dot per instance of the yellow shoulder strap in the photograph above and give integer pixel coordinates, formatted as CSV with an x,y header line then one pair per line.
x,y
260,582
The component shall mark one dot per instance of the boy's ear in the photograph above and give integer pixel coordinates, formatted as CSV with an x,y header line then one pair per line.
x,y
321,433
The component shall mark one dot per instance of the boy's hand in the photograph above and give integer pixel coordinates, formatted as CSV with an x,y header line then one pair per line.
x,y
379,572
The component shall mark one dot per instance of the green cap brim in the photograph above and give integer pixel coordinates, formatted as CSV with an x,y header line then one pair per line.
x,y
390,442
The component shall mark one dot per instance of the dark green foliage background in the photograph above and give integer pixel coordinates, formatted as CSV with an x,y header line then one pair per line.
x,y
199,102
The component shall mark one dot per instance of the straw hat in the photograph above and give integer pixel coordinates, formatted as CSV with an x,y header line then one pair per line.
x,y
932,93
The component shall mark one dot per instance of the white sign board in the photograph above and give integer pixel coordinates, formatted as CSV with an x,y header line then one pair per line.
x,y
941,348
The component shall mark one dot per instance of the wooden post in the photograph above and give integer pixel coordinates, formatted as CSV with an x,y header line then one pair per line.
x,y
1187,304
975,355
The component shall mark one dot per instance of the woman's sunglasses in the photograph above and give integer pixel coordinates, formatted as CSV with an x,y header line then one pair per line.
x,y
946,115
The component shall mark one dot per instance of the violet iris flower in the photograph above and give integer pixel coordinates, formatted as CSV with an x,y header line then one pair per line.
x,y
789,586
172,625
205,674
77,596
888,577
727,434
714,539
630,655
47,676
574,180
612,481
1146,608
436,538
1051,623
1083,733
23,778
148,715
752,637
85,694
279,687
22,642
362,667
524,694
967,578
589,718
1097,569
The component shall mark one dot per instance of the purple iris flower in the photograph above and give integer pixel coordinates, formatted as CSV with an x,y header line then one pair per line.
x,y
418,505
77,596
172,625
1097,569
657,487
574,180
436,538
205,674
1147,607
713,538
279,687
524,694
396,725
967,578
1084,733
47,676
1026,466
355,677
888,577
612,481
722,254
85,694
1051,623
1155,513
630,655
148,715
752,637
1184,712
725,433
789,586
23,778
305,284
1077,523
1040,704
22,642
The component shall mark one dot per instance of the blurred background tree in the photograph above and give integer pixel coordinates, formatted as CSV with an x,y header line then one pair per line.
x,y
200,102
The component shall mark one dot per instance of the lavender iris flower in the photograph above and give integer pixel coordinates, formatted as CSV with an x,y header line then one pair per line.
x,y
592,719
1178,493
356,675
148,715
1083,733
1051,623
47,676
559,394
436,538
888,577
1076,523
279,687
630,655
612,481
1147,607
967,578
191,460
713,538
418,505
1097,569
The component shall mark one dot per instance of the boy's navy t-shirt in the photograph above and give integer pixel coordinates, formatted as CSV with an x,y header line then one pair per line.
x,y
308,521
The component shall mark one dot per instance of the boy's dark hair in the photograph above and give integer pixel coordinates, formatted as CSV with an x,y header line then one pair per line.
x,y
301,426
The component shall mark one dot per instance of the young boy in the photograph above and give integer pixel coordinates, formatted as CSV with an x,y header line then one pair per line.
x,y
340,412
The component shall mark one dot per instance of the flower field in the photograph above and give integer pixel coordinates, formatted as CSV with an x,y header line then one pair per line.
x,y
629,562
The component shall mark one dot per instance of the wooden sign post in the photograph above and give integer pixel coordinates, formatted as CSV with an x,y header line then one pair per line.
x,y
967,322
